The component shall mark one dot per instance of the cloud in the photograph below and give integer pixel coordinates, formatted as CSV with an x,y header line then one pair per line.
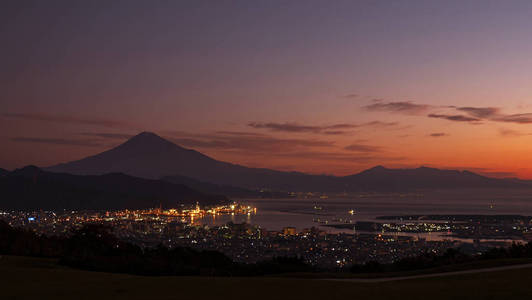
x,y
473,114
106,135
341,126
334,129
66,119
96,139
405,107
516,118
288,127
480,112
57,141
362,148
458,118
246,143
338,156
258,147
239,133
380,124
438,134
337,132
511,133
495,114
193,143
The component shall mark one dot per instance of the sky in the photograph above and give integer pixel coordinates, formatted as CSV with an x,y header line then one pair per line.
x,y
323,87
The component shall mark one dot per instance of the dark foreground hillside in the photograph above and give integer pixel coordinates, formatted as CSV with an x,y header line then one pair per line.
x,y
36,278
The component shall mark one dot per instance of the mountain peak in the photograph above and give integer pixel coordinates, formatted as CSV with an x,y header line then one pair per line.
x,y
144,155
147,139
146,135
377,168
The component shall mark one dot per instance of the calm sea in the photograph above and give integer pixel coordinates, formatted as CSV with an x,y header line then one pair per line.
x,y
274,214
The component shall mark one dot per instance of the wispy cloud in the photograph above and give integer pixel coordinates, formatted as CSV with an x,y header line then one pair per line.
x,y
239,133
66,119
480,112
108,135
380,124
288,127
495,114
334,129
458,118
438,134
57,141
253,149
266,146
405,107
341,126
470,114
338,156
363,148
262,143
511,133
338,132
516,118
199,143
94,139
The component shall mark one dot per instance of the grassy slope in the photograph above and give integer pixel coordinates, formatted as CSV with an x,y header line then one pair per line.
x,y
481,264
30,278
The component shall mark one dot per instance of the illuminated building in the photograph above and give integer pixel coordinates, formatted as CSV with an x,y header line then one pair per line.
x,y
289,231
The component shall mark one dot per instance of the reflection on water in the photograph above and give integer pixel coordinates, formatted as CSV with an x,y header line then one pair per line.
x,y
274,214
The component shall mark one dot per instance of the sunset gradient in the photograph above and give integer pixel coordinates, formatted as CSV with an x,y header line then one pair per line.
x,y
330,87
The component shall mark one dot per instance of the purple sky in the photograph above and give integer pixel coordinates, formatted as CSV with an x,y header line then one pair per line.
x,y
316,86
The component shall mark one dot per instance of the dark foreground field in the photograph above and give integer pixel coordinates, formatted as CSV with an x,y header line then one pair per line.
x,y
31,278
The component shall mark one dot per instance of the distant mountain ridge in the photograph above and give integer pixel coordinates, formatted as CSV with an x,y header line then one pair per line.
x,y
31,188
428,178
227,190
148,155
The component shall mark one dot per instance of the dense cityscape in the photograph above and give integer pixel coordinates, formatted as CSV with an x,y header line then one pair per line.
x,y
386,240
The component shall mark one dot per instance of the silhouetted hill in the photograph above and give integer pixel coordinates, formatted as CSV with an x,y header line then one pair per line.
x,y
381,178
33,188
150,156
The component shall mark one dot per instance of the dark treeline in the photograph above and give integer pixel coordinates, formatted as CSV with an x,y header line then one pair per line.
x,y
449,258
94,248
